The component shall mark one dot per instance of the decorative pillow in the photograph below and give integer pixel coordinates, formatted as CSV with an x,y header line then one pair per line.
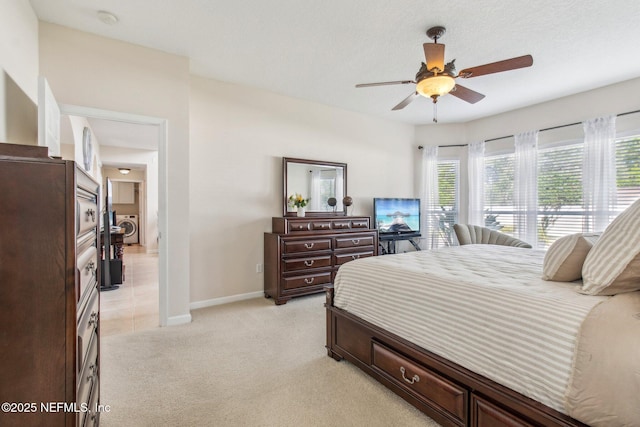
x,y
613,264
564,258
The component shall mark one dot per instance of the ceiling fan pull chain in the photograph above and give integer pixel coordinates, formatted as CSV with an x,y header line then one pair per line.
x,y
435,112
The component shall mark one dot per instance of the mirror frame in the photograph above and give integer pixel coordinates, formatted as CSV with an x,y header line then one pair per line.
x,y
285,163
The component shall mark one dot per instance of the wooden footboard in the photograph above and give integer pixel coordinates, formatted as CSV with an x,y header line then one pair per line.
x,y
445,391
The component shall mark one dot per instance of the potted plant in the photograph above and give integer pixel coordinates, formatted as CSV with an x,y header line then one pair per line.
x,y
296,200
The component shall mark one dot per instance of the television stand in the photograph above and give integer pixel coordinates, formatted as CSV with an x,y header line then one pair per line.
x,y
389,240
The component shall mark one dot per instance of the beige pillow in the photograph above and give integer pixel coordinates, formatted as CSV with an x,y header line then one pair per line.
x,y
613,264
564,258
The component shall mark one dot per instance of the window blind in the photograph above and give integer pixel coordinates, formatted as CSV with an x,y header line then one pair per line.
x,y
627,171
560,198
498,193
448,206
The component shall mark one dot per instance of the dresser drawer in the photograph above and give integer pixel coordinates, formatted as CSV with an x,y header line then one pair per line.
x,y
296,264
320,225
426,385
354,241
361,223
87,270
301,246
307,280
88,326
87,215
297,226
342,258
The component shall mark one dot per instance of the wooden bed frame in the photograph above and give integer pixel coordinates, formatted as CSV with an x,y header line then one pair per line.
x,y
443,390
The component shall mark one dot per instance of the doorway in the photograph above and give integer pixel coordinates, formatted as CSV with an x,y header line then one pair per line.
x,y
159,192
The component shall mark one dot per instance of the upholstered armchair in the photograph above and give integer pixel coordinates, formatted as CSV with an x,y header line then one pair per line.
x,y
468,234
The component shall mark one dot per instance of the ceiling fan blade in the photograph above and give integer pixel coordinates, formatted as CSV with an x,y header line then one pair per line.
x,y
434,56
406,101
466,94
399,82
497,67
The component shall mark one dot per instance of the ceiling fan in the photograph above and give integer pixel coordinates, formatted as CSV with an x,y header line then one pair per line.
x,y
435,78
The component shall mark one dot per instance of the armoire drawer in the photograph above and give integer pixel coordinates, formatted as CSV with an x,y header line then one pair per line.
x,y
297,264
88,326
302,246
342,258
317,279
87,270
426,385
88,373
87,215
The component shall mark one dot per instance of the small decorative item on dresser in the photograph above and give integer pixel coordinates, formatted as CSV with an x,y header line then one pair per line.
x,y
296,200
332,202
347,201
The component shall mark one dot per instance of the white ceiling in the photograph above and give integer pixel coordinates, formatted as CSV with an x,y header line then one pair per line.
x,y
319,50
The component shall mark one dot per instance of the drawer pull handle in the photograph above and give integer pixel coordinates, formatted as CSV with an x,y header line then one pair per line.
x,y
93,319
91,267
355,241
355,256
415,379
309,262
309,280
308,245
91,214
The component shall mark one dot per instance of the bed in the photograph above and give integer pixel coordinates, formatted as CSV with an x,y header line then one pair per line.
x,y
473,336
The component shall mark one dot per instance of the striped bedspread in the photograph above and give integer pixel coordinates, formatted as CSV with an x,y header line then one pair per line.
x,y
483,307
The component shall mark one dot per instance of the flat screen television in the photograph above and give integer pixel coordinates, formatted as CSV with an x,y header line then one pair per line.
x,y
397,216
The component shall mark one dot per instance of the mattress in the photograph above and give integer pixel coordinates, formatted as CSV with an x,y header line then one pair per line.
x,y
483,307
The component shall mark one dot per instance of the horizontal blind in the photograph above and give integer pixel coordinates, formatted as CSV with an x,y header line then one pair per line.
x,y
447,210
498,192
560,200
627,171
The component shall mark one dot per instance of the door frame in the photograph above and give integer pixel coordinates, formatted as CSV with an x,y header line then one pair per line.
x,y
163,230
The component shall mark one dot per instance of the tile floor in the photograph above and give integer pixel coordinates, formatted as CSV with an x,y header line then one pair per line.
x,y
134,305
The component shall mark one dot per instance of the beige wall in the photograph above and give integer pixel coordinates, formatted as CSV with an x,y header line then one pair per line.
x,y
18,72
92,71
238,138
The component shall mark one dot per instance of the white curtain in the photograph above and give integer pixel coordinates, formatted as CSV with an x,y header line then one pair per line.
x,y
314,194
429,198
339,188
599,171
476,183
525,188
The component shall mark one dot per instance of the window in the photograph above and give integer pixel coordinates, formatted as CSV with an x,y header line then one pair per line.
x,y
627,171
560,204
498,193
447,211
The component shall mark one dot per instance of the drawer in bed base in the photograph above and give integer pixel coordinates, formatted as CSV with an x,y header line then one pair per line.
x,y
436,391
485,413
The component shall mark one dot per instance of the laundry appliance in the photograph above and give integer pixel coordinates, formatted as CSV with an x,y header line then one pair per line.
x,y
130,225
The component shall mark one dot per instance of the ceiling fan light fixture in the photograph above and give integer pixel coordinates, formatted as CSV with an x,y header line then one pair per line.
x,y
435,86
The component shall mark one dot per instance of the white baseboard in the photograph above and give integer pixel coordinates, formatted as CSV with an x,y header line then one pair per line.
x,y
225,300
179,320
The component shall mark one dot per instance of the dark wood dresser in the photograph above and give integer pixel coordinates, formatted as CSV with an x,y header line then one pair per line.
x,y
302,255
49,298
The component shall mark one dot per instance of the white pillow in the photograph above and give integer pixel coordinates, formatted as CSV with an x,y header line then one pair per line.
x,y
613,264
564,258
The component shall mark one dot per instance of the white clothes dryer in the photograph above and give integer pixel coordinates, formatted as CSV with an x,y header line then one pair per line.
x,y
130,225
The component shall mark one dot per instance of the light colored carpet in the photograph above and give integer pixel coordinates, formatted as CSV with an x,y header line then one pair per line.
x,y
249,363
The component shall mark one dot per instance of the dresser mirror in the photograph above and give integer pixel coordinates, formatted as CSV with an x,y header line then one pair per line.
x,y
316,180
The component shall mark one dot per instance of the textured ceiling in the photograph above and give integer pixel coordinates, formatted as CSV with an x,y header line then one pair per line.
x,y
319,50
